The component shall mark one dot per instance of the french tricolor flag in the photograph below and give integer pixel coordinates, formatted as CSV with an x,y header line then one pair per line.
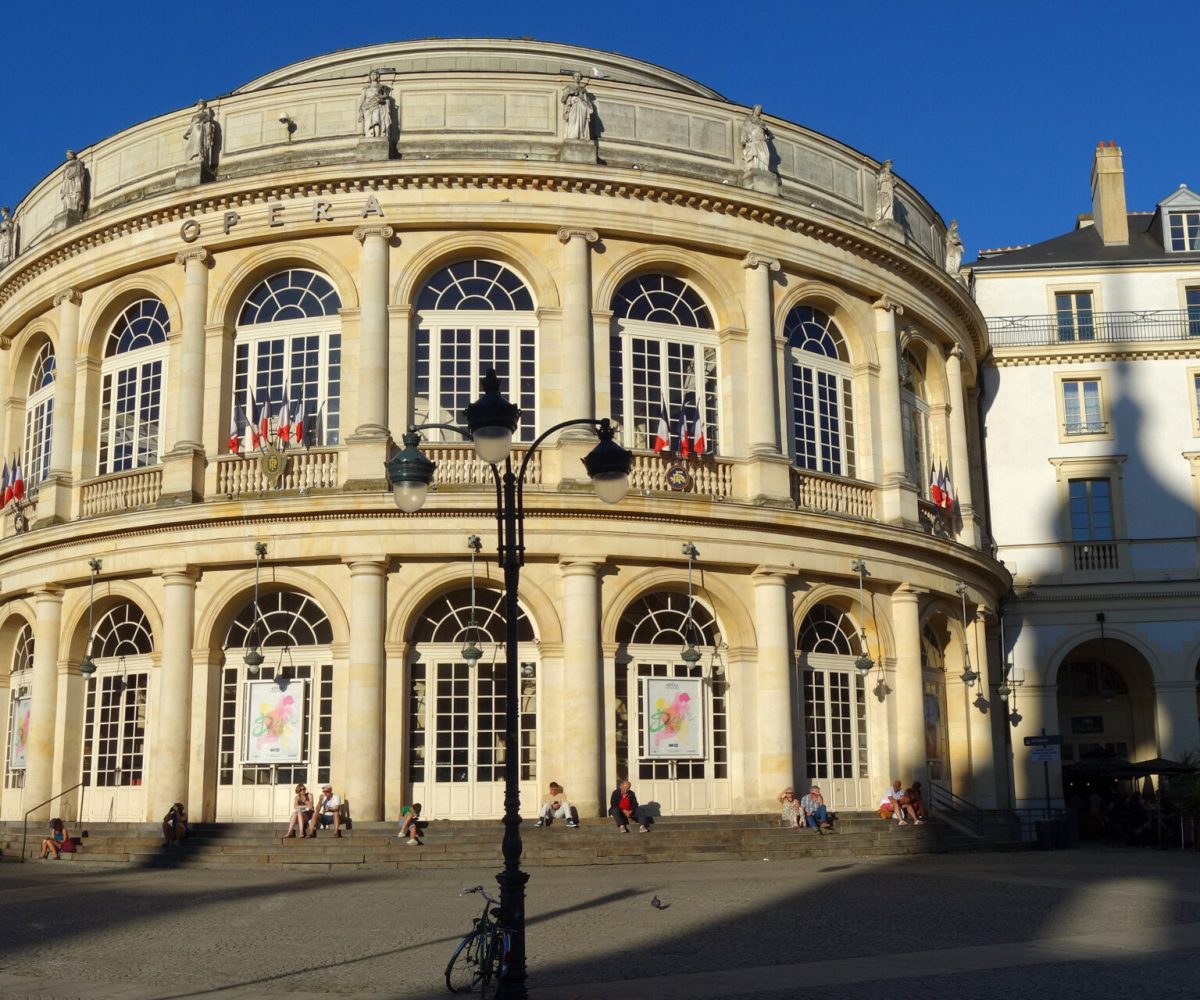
x,y
18,487
662,436
699,442
5,487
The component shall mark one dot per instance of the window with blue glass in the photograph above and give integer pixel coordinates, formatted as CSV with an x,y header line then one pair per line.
x,y
131,387
39,418
1076,320
1083,411
1091,510
822,393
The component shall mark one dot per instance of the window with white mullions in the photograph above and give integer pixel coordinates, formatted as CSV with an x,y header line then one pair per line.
x,y
822,393
460,337
1192,298
20,686
1091,510
1076,321
663,357
1082,409
1185,230
914,422
135,358
289,345
834,696
39,418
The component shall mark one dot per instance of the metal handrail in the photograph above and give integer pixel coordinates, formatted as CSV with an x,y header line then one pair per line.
x,y
33,809
955,803
1045,329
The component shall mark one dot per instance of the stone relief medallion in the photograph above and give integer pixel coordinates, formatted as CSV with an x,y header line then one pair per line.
x,y
678,479
272,462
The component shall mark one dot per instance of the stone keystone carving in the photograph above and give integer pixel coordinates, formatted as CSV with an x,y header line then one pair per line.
x,y
375,108
74,185
756,152
8,242
201,136
577,109
954,249
885,186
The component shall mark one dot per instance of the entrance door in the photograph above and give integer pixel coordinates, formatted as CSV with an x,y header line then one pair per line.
x,y
20,698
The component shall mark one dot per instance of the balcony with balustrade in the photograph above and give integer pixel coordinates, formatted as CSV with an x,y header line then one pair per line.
x,y
1082,328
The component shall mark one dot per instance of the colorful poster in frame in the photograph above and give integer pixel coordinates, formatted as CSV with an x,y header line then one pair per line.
x,y
18,738
273,721
673,718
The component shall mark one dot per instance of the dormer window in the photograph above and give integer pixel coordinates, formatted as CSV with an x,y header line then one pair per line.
x,y
1184,230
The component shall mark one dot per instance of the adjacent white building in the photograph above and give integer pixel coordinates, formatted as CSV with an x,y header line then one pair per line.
x,y
1092,441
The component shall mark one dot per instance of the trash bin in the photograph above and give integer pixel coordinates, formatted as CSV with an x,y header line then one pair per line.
x,y
1047,834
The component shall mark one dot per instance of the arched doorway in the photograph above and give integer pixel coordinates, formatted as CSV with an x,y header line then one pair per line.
x,y
456,712
276,724
115,703
933,691
833,707
685,769
1106,702
20,698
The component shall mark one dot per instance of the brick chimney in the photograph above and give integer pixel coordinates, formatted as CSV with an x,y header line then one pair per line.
x,y
1108,195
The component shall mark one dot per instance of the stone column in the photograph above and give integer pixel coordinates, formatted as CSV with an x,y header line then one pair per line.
x,y
582,684
1175,718
1038,707
773,635
184,464
173,742
43,706
368,443
899,496
960,462
54,493
768,477
979,726
910,761
363,780
578,395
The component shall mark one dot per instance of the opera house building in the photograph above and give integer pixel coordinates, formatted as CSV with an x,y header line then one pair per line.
x,y
217,326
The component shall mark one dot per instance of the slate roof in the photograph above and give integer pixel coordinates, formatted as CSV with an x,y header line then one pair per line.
x,y
1084,246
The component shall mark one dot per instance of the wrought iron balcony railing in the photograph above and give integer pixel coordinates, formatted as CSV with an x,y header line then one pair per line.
x,y
1135,325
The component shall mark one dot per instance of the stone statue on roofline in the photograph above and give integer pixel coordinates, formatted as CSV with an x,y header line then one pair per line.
x,y
886,188
954,249
756,151
374,108
577,109
74,194
7,236
201,136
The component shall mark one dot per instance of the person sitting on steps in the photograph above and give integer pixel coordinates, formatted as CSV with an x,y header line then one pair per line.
x,y
816,815
175,825
302,809
410,824
792,816
328,810
59,841
623,808
555,806
901,805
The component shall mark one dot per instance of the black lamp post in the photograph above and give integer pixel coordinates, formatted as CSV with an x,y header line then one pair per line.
x,y
491,422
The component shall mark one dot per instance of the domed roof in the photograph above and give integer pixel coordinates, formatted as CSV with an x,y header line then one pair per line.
x,y
482,55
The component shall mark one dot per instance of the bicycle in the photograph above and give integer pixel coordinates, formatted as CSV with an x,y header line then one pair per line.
x,y
481,958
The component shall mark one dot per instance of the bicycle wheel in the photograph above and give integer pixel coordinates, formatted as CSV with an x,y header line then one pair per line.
x,y
463,972
493,964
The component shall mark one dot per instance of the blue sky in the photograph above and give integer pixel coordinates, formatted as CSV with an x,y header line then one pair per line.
x,y
991,109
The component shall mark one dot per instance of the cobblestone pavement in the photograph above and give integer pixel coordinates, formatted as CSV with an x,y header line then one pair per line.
x,y
1080,924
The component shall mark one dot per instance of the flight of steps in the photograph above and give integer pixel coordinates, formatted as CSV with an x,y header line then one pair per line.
x,y
454,844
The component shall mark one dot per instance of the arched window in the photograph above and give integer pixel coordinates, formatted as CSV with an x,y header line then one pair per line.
x,y
19,700
914,422
276,717
655,681
835,702
822,393
288,360
456,716
39,418
460,336
114,710
131,379
663,361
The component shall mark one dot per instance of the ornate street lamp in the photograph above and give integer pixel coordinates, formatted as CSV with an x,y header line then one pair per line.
x,y
864,663
87,666
471,651
690,654
491,422
253,657
969,676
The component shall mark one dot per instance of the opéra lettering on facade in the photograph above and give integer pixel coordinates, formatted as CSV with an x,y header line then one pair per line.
x,y
321,210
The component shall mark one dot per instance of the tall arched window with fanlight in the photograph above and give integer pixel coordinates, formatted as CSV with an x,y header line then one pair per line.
x,y
914,421
474,315
684,764
132,377
288,345
20,692
663,363
115,715
456,716
39,418
822,393
833,706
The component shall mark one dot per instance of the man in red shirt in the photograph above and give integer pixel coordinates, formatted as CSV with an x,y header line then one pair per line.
x,y
623,807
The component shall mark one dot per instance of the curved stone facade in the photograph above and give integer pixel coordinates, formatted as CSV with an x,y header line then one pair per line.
x,y
347,284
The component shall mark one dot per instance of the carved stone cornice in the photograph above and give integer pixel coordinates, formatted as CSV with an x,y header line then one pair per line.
x,y
198,254
957,353
885,304
566,234
753,260
378,229
71,295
